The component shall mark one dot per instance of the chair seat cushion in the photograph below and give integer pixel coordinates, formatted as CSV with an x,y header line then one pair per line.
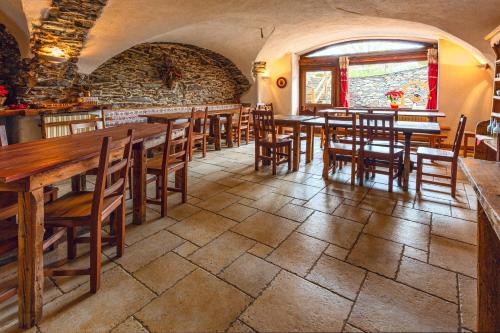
x,y
435,152
380,150
75,205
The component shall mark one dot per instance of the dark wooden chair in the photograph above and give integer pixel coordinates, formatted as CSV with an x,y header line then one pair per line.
x,y
175,158
89,210
335,152
270,146
434,154
378,147
200,124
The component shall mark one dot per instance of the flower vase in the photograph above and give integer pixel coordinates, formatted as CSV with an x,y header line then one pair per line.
x,y
394,106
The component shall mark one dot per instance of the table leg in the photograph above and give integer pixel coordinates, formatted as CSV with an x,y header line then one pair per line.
x,y
296,146
310,144
406,171
139,184
217,134
30,258
229,130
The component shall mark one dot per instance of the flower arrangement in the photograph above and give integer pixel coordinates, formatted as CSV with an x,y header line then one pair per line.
x,y
3,95
394,96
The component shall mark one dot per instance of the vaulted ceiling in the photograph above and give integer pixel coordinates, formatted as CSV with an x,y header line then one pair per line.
x,y
233,27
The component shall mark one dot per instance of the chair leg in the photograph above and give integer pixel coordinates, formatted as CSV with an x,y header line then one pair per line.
x,y
419,172
326,163
120,229
289,150
191,150
353,170
391,175
71,235
95,257
164,194
247,135
257,156
274,154
130,184
400,170
334,163
184,184
204,144
453,179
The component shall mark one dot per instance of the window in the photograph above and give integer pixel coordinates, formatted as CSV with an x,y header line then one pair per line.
x,y
318,87
367,46
369,83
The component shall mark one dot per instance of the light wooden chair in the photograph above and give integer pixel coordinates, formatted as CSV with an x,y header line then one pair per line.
x,y
89,210
174,159
242,126
270,146
200,125
424,153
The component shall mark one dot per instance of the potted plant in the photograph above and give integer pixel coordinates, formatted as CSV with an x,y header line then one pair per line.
x,y
394,96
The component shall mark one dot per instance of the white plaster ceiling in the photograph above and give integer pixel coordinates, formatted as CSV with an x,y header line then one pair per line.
x,y
232,27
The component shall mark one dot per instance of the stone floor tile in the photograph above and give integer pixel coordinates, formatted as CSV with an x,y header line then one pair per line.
x,y
345,191
324,203
251,190
266,228
398,230
205,189
338,276
432,205
377,255
294,304
202,227
182,211
411,214
79,311
336,252
147,250
271,202
298,253
351,329
465,214
298,202
332,229
467,288
458,229
386,306
137,232
219,202
378,204
237,212
164,272
445,252
352,213
250,274
297,191
198,303
294,212
260,250
129,326
240,327
185,249
434,280
221,252
415,253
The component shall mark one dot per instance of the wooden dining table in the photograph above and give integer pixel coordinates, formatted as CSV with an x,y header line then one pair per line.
x,y
26,168
432,116
215,114
408,128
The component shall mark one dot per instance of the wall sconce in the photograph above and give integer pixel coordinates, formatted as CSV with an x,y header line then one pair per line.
x,y
259,68
52,54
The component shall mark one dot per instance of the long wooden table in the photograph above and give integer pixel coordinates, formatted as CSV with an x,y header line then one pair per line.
x,y
430,115
229,113
484,177
27,167
406,127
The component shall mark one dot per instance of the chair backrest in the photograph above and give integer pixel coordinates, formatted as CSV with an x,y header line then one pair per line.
x,y
112,172
178,137
80,127
305,111
332,131
264,126
244,117
200,116
377,127
459,136
3,136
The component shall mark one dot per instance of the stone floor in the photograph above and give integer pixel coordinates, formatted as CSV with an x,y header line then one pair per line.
x,y
252,252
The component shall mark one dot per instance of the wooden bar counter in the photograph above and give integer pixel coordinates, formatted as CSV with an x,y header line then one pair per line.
x,y
484,177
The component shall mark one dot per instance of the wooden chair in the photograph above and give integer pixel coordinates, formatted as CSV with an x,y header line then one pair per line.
x,y
175,158
434,154
200,124
385,153
242,125
80,127
336,151
89,209
276,148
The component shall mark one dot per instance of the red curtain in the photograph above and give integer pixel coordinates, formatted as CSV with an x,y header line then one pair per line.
x,y
344,84
433,79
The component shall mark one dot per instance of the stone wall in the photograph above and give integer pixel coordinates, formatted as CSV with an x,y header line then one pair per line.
x,y
139,75
370,91
10,63
66,26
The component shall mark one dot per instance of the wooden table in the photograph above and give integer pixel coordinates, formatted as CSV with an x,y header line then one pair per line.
x,y
406,127
27,167
430,115
484,177
295,122
229,113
